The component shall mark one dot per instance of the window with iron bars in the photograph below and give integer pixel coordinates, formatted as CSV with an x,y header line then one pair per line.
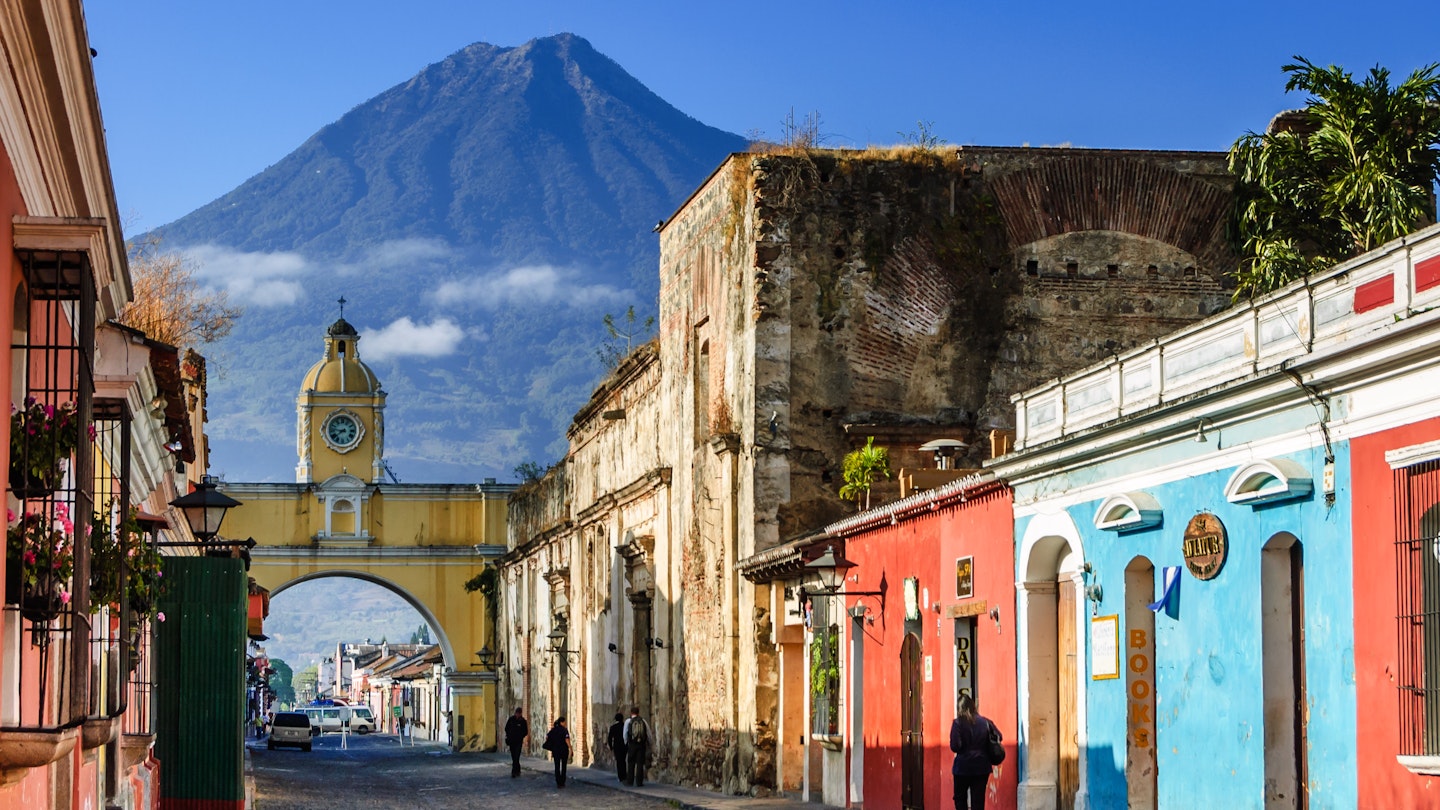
x,y
50,481
1417,570
824,672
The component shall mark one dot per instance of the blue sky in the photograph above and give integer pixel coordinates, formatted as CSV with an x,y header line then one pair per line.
x,y
199,96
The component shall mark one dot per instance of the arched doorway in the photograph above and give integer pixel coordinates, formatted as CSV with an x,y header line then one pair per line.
x,y
1141,766
1053,713
1282,638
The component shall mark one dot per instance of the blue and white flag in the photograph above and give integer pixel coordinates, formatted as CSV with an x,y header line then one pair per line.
x,y
1172,587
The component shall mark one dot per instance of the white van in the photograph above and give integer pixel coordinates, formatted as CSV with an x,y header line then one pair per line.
x,y
332,718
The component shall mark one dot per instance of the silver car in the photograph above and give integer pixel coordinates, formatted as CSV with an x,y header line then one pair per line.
x,y
290,728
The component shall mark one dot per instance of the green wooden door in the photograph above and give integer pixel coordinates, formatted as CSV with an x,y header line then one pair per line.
x,y
200,684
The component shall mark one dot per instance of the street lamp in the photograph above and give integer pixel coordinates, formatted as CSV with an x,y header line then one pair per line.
x,y
557,642
489,659
205,508
832,568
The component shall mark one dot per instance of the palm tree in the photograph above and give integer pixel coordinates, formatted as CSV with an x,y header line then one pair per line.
x,y
1355,169
859,469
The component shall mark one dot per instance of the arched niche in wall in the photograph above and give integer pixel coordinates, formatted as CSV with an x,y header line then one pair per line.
x,y
1128,512
1267,481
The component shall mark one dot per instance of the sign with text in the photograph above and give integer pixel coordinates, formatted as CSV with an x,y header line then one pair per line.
x,y
1204,546
964,577
1105,648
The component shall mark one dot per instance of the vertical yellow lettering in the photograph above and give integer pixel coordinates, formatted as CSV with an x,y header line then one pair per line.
x,y
1137,639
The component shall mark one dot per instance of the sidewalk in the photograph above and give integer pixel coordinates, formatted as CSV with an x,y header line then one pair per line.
x,y
682,797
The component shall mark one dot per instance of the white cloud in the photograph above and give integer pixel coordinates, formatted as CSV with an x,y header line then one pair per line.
x,y
408,251
253,279
405,338
532,284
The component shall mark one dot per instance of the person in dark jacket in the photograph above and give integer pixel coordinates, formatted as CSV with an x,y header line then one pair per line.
x,y
516,732
616,743
969,739
557,742
638,741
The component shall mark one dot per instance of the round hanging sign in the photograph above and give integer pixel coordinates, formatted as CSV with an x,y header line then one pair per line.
x,y
1205,546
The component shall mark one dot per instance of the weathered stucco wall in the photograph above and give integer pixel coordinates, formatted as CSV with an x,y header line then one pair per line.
x,y
798,294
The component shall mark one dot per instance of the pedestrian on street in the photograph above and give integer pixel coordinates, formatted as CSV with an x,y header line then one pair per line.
x,y
616,743
557,742
637,746
970,736
516,732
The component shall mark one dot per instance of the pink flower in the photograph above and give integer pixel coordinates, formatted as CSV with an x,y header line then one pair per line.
x,y
90,429
29,557
49,411
9,515
160,615
64,597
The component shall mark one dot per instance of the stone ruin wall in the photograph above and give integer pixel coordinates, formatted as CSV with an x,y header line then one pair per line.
x,y
912,296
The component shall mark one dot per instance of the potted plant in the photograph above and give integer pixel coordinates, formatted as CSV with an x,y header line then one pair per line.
x,y
40,558
42,439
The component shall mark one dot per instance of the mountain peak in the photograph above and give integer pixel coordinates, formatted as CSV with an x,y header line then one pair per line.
x,y
525,181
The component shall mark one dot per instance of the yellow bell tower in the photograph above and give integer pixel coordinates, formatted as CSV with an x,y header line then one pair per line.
x,y
340,413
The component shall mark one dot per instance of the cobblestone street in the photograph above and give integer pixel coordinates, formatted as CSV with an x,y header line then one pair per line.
x,y
377,773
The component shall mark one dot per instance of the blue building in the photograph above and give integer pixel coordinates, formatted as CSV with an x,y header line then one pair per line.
x,y
1185,546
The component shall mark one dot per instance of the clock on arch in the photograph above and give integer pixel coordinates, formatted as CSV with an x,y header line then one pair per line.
x,y
342,431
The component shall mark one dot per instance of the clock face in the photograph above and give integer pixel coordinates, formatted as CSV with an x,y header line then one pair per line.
x,y
342,430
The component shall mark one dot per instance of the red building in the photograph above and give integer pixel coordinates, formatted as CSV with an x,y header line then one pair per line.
x,y
944,560
1396,483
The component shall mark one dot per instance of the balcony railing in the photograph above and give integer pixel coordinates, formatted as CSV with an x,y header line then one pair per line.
x,y
44,662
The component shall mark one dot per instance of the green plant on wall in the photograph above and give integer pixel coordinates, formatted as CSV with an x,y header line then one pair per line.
x,y
825,679
487,582
860,468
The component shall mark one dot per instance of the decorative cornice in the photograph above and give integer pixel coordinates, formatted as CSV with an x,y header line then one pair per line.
x,y
649,482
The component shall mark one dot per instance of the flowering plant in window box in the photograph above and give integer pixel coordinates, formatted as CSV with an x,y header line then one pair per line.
x,y
108,547
42,439
39,561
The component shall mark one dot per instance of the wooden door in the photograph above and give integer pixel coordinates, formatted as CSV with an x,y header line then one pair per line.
x,y
1069,732
912,742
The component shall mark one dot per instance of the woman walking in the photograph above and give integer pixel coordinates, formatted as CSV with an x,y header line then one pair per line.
x,y
557,742
970,740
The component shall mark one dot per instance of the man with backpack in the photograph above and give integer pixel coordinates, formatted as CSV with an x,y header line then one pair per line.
x,y
637,746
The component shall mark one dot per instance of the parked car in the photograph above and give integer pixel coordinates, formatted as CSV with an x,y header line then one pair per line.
x,y
290,728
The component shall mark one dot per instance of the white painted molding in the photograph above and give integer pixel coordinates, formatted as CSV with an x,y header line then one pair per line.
x,y
1128,511
1266,481
1412,455
1425,766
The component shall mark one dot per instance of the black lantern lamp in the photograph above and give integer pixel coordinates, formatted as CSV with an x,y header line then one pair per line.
x,y
557,642
832,569
205,508
489,659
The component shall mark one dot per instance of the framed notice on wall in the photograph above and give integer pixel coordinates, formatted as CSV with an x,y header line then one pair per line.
x,y
1105,648
964,577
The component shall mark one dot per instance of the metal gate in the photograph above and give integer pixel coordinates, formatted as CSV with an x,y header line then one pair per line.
x,y
912,741
200,684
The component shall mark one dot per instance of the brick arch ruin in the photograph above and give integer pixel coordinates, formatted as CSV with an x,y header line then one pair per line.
x,y
1122,192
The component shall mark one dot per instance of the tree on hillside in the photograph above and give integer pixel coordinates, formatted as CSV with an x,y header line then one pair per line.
x,y
281,683
169,305
1353,170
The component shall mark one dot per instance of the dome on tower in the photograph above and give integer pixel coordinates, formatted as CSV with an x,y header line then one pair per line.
x,y
341,370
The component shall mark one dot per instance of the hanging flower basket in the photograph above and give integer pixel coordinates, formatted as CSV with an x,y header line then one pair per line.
x,y
39,559
42,439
